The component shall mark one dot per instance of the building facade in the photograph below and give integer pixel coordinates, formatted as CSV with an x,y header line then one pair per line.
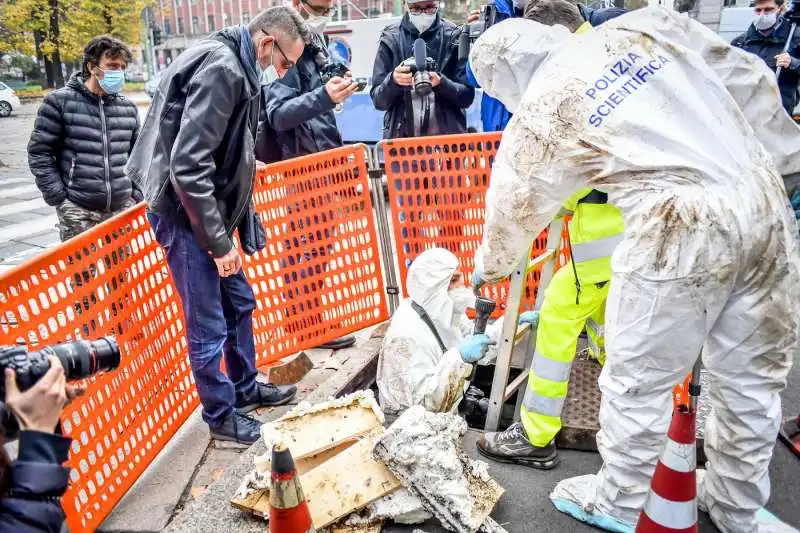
x,y
184,22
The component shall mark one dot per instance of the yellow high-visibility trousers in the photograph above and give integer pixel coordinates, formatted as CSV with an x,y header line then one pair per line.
x,y
563,316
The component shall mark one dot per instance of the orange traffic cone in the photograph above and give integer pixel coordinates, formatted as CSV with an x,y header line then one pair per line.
x,y
671,505
288,510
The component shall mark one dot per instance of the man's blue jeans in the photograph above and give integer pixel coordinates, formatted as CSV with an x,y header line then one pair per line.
x,y
218,314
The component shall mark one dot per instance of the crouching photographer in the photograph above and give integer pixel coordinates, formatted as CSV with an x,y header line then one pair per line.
x,y
418,78
35,390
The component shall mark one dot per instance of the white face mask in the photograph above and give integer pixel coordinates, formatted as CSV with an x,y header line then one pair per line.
x,y
462,298
269,74
317,23
766,21
423,21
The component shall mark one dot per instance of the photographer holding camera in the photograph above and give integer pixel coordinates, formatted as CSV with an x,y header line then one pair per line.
x,y
422,91
35,391
298,109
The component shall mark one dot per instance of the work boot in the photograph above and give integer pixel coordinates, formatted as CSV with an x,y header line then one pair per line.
x,y
266,395
512,446
238,428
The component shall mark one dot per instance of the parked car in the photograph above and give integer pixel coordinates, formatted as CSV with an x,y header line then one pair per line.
x,y
8,100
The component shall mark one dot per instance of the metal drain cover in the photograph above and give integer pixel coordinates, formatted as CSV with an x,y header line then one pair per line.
x,y
580,418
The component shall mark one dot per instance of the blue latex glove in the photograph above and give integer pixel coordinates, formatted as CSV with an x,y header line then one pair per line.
x,y
796,203
474,347
477,281
529,317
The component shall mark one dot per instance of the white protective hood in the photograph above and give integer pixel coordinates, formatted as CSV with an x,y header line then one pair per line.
x,y
558,142
505,57
428,281
412,369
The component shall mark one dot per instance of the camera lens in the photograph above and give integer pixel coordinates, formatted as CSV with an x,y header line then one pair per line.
x,y
84,358
422,83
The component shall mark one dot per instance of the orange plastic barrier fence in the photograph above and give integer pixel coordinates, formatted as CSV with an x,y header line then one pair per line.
x,y
318,278
320,275
437,190
112,280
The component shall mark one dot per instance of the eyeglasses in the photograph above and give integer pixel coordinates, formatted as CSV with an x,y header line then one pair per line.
x,y
320,10
428,10
285,64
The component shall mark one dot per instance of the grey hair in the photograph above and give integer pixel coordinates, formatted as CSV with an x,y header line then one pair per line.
x,y
280,20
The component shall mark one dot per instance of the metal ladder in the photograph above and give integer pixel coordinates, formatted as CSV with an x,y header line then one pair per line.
x,y
512,334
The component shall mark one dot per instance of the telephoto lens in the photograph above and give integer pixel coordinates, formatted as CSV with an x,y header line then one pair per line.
x,y
80,360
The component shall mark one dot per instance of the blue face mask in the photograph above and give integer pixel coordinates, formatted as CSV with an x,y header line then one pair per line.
x,y
113,81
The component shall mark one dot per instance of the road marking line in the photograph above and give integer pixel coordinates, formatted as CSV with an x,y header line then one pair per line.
x,y
26,229
16,191
21,207
13,181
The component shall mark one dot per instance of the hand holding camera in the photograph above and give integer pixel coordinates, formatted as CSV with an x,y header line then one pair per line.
x,y
341,88
35,385
39,408
402,75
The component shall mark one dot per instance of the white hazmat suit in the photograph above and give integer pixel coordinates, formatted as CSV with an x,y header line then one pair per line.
x,y
647,109
412,368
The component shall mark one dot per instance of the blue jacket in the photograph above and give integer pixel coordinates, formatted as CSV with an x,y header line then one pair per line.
x,y
36,483
494,114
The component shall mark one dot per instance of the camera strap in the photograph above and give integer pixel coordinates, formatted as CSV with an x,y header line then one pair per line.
x,y
428,322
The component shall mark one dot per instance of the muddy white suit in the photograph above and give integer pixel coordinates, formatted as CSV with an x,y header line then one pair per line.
x,y
665,117
412,367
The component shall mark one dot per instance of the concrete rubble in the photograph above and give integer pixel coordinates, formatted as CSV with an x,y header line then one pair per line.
x,y
428,473
424,451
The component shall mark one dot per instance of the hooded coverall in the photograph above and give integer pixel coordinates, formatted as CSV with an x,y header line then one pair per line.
x,y
412,368
688,137
575,297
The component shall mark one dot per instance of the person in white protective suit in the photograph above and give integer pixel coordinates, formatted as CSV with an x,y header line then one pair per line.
x,y
416,368
687,137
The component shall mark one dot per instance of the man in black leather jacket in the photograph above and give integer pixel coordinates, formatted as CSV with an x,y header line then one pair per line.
x,y
195,158
81,140
392,82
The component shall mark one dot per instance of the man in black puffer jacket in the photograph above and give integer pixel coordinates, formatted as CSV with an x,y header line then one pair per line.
x,y
82,138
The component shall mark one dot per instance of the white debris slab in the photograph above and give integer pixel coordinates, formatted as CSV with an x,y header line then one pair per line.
x,y
424,451
400,506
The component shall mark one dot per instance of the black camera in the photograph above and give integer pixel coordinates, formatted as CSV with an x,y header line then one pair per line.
x,y
330,69
81,359
422,77
470,32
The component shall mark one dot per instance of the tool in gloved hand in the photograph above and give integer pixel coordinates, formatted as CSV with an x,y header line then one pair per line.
x,y
484,307
474,347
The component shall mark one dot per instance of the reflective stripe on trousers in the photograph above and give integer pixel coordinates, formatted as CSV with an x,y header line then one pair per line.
x,y
595,331
560,323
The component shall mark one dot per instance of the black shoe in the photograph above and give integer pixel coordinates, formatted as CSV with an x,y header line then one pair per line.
x,y
266,395
512,446
238,428
338,344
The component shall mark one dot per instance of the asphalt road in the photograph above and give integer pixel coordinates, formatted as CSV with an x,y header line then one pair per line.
x,y
525,506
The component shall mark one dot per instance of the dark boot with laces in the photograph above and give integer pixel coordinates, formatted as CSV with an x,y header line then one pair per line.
x,y
266,395
512,446
241,429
